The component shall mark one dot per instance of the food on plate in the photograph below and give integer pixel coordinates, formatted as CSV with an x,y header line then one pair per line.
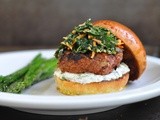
x,y
37,70
98,57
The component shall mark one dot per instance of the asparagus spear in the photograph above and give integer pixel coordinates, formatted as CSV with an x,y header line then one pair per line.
x,y
51,68
18,74
14,76
36,73
7,80
1,78
2,87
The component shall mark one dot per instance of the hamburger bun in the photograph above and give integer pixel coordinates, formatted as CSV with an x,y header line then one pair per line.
x,y
134,52
73,88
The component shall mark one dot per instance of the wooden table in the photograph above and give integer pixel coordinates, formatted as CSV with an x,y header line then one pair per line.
x,y
145,110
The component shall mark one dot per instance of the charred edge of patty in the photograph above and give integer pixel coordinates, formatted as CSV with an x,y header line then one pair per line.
x,y
101,64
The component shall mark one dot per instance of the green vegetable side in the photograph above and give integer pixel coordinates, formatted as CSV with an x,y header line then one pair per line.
x,y
86,38
37,70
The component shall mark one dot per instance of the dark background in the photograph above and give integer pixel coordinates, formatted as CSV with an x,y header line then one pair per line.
x,y
45,22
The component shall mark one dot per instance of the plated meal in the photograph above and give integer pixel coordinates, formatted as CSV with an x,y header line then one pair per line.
x,y
44,98
94,58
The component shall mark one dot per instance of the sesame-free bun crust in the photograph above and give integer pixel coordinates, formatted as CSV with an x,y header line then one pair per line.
x,y
73,88
134,52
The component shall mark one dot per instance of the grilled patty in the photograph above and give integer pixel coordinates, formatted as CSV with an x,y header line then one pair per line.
x,y
101,64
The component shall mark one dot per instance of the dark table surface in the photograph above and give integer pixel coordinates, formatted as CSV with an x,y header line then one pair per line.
x,y
145,110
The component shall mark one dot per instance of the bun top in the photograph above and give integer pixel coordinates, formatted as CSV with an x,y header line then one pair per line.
x,y
134,52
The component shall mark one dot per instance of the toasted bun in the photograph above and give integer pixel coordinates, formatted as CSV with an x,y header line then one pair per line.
x,y
134,52
72,88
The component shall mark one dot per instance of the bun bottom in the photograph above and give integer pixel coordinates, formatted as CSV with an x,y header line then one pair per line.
x,y
73,88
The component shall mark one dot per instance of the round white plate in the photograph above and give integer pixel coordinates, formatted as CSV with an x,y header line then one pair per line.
x,y
43,98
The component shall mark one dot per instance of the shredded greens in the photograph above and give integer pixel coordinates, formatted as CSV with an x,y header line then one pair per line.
x,y
88,38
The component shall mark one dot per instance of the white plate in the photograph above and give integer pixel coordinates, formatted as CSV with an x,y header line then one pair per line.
x,y
43,98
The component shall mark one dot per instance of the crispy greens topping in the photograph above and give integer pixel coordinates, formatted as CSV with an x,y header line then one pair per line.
x,y
86,38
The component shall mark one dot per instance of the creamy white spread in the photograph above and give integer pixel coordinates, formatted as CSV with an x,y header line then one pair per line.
x,y
85,78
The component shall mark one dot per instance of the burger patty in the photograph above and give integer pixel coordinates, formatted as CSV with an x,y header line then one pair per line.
x,y
101,64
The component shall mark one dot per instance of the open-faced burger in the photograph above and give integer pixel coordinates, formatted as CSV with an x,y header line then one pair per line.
x,y
98,57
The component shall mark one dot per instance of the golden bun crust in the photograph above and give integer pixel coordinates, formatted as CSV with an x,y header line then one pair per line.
x,y
73,88
134,52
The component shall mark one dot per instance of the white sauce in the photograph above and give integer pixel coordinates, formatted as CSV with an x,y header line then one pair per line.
x,y
90,77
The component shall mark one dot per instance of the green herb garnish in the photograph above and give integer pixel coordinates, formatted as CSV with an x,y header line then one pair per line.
x,y
88,38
